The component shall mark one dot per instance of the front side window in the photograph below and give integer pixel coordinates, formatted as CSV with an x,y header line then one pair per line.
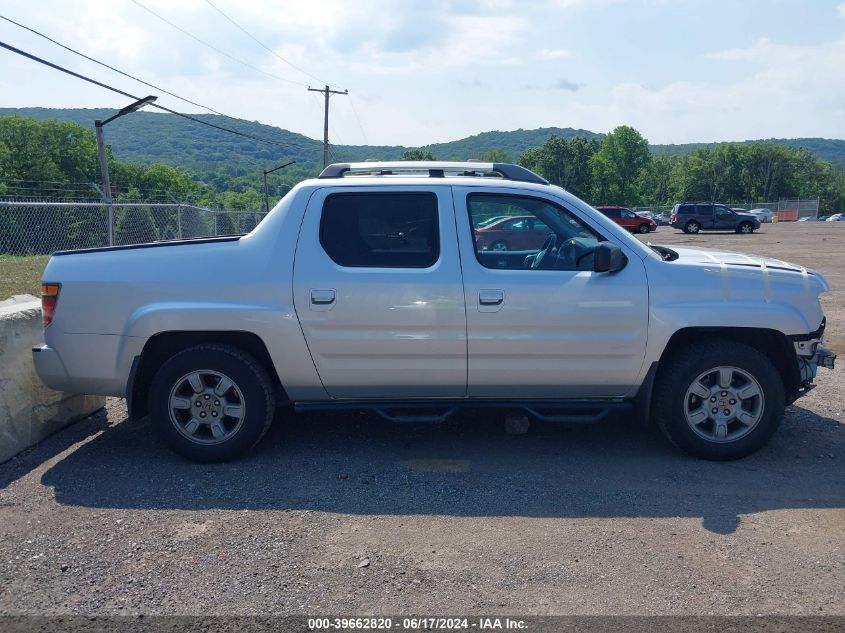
x,y
723,212
629,214
383,230
549,237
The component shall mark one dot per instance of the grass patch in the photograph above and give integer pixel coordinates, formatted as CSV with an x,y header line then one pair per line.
x,y
21,275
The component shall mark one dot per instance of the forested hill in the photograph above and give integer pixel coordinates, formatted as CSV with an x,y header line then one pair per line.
x,y
157,137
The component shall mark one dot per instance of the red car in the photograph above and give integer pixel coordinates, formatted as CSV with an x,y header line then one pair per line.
x,y
628,219
516,233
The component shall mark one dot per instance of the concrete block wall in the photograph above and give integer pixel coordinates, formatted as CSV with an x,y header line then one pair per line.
x,y
29,411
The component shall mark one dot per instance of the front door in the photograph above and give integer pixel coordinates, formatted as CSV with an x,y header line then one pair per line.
x,y
725,219
540,322
378,292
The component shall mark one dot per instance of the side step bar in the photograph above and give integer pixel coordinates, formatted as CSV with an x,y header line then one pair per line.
x,y
569,411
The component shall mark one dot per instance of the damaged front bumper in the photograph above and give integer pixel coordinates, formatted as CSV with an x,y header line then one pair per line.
x,y
812,354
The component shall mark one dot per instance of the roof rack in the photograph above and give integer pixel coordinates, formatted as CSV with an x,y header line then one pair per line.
x,y
434,169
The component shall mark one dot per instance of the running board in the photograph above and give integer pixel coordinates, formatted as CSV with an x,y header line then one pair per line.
x,y
568,411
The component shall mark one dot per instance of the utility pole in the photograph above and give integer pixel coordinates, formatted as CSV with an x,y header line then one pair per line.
x,y
328,93
101,155
104,173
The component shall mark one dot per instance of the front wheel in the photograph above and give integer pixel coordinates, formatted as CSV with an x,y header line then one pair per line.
x,y
211,403
719,400
692,227
644,228
746,228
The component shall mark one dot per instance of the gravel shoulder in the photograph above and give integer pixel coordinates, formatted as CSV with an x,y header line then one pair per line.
x,y
347,514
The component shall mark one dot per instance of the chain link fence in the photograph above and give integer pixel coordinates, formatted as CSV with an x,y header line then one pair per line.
x,y
40,228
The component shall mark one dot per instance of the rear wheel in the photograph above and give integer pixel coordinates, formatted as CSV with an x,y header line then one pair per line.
x,y
745,227
644,228
692,227
211,402
719,400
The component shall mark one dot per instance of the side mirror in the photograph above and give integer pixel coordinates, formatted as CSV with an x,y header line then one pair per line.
x,y
608,258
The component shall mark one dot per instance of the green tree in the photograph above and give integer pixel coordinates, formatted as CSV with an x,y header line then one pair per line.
x,y
617,166
496,156
417,154
135,225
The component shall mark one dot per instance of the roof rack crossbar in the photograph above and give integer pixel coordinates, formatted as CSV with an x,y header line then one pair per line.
x,y
435,169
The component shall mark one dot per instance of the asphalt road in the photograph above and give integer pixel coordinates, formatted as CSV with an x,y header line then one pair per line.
x,y
350,514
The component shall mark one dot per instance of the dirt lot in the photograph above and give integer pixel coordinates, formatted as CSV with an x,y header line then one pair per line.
x,y
349,514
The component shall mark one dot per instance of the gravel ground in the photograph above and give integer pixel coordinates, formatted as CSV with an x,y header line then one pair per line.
x,y
349,514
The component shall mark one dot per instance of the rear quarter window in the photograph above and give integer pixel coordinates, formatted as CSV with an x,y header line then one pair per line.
x,y
381,230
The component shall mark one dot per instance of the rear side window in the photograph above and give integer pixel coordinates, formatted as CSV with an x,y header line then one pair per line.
x,y
381,230
705,210
686,208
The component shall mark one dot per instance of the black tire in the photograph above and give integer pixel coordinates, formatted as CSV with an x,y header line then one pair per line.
x,y
746,228
500,245
692,227
670,393
250,379
644,228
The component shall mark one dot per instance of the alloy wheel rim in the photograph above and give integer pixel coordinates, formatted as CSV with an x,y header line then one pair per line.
x,y
206,407
724,404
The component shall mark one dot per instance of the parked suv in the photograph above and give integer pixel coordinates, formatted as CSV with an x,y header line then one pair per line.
x,y
630,220
369,288
692,217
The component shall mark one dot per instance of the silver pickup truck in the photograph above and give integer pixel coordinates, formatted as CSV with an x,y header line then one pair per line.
x,y
417,289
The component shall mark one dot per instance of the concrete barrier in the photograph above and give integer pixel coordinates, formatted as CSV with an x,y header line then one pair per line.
x,y
29,411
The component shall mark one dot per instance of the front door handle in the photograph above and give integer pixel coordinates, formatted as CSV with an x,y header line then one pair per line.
x,y
490,300
322,297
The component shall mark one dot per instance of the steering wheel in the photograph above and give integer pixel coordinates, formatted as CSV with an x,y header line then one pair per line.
x,y
543,256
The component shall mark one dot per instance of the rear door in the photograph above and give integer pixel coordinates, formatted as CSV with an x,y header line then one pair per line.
x,y
378,292
704,215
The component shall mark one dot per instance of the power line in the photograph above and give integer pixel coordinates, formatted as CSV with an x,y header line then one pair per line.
x,y
131,96
117,70
259,42
357,118
214,48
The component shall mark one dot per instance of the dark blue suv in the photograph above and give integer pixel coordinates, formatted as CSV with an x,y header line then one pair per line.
x,y
692,217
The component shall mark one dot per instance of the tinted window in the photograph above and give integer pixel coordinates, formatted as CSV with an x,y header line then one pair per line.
x,y
705,210
575,242
629,214
389,230
686,208
611,213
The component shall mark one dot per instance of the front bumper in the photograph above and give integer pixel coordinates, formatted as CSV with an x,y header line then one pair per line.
x,y
811,354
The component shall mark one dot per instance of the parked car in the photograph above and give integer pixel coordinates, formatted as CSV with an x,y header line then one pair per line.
x,y
630,220
512,233
692,217
836,217
374,292
764,215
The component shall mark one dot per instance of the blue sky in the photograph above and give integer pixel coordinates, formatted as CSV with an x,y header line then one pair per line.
x,y
435,70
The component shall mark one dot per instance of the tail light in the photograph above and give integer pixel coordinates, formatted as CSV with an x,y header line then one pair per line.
x,y
49,299
674,217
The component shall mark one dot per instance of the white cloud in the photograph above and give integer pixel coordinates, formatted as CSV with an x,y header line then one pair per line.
x,y
841,10
550,54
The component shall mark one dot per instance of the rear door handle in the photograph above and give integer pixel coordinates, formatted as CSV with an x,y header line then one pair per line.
x,y
322,299
490,300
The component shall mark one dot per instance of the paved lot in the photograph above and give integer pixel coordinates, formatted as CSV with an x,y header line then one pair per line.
x,y
102,519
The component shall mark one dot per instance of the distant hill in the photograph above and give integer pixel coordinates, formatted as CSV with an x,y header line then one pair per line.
x,y
158,137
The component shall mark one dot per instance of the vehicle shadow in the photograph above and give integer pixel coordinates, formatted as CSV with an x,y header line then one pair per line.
x,y
62,440
357,463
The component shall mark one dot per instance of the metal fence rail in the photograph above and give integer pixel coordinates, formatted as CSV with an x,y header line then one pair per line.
x,y
40,228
